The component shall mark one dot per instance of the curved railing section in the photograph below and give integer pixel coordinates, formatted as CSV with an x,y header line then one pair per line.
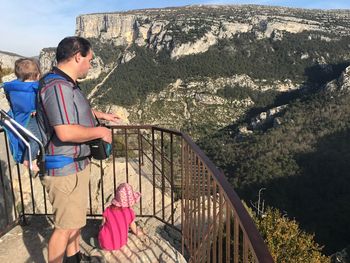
x,y
180,187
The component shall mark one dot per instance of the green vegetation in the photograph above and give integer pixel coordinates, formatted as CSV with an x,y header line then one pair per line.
x,y
260,59
287,243
260,98
303,164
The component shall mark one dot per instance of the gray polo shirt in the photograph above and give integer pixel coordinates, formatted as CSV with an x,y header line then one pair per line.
x,y
64,103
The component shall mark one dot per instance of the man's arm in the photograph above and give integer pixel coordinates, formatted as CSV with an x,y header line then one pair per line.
x,y
78,133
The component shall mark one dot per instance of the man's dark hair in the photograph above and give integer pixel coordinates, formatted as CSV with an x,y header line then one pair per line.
x,y
70,46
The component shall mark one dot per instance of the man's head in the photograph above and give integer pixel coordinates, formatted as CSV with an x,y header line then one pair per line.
x,y
27,69
76,53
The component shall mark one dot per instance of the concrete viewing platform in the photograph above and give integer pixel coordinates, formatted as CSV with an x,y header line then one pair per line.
x,y
29,243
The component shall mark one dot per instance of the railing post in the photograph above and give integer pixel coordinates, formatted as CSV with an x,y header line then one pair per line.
x,y
153,173
172,179
139,164
10,173
23,216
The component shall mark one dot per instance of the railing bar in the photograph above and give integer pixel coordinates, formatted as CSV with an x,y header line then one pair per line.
x,y
4,195
139,153
114,166
187,200
245,248
132,126
10,173
102,187
141,141
228,232
90,198
203,206
199,223
31,189
182,198
168,131
214,222
21,191
154,174
209,207
190,202
172,178
44,194
236,239
199,210
195,188
162,172
126,156
220,224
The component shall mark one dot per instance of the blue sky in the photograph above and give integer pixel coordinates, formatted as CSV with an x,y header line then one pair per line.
x,y
28,26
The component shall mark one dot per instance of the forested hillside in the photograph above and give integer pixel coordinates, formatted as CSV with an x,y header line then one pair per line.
x,y
296,57
303,163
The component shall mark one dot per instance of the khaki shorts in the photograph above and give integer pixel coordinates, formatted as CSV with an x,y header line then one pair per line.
x,y
68,196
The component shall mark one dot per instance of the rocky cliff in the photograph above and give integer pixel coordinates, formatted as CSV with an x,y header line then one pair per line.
x,y
7,60
194,29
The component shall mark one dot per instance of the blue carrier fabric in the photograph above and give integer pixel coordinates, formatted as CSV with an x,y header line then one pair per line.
x,y
22,97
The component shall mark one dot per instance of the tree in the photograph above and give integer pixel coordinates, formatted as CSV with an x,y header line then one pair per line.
x,y
286,242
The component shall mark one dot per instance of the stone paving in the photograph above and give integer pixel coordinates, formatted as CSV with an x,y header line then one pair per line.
x,y
29,243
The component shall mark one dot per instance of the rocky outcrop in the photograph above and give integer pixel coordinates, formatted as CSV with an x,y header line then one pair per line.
x,y
267,116
47,59
340,85
7,60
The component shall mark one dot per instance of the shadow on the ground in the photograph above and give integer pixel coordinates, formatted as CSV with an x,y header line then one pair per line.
x,y
36,235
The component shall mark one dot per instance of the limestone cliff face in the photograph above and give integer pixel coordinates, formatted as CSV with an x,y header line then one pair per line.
x,y
120,28
47,59
192,30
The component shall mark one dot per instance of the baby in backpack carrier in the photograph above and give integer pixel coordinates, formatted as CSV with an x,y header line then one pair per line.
x,y
21,94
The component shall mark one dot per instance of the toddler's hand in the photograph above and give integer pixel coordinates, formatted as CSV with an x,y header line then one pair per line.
x,y
139,232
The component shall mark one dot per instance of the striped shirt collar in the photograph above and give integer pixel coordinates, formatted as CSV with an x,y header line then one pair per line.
x,y
68,78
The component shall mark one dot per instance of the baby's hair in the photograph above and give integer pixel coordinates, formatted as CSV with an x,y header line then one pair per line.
x,y
27,69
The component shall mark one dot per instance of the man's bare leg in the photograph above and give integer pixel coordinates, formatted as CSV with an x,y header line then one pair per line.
x,y
57,245
73,243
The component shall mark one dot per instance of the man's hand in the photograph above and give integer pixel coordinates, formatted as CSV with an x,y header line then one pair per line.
x,y
111,117
106,134
107,116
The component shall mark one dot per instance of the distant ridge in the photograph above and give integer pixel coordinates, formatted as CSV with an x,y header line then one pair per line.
x,y
10,53
209,6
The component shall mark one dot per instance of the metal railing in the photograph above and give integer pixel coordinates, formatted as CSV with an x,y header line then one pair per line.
x,y
181,187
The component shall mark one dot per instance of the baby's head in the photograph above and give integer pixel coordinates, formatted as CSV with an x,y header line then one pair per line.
x,y
125,196
27,69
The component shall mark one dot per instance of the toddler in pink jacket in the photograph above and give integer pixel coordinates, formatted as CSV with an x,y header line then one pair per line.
x,y
118,217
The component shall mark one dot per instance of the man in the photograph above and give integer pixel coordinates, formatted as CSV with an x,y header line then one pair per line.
x,y
69,122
